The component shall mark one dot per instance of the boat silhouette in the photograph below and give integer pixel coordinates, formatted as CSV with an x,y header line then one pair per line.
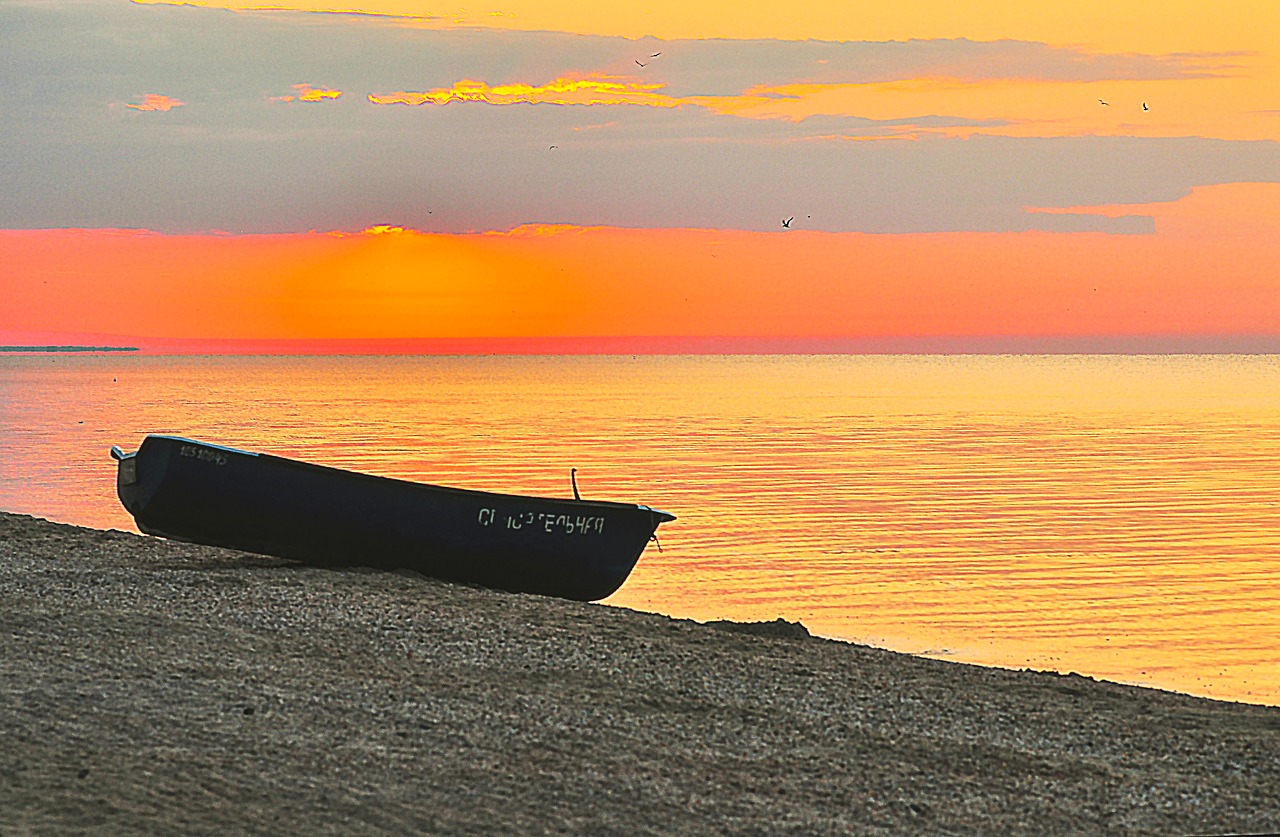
x,y
204,493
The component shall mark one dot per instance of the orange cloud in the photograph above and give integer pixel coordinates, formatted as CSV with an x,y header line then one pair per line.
x,y
590,90
593,89
759,102
1207,107
906,108
318,95
1237,211
307,93
156,102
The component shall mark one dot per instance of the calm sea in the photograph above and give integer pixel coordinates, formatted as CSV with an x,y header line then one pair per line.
x,y
1115,516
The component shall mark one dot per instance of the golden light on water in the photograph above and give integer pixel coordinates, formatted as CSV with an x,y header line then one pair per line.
x,y
1113,516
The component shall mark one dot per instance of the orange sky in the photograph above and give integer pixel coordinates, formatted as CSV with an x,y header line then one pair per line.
x,y
1208,270
604,171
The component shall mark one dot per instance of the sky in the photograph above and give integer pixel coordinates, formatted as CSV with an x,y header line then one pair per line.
x,y
548,176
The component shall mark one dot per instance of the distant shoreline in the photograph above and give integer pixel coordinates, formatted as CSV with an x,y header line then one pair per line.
x,y
52,349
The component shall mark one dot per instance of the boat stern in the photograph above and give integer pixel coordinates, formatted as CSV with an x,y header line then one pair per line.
x,y
128,486
126,466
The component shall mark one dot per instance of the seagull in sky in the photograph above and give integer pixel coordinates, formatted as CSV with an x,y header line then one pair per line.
x,y
787,222
1144,106
554,146
1104,104
638,61
655,55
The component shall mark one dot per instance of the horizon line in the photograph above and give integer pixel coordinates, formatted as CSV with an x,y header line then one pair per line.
x,y
655,345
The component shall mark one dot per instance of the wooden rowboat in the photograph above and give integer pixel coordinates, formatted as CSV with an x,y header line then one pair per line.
x,y
209,494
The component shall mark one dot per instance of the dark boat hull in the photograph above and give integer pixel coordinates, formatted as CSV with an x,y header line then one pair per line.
x,y
201,493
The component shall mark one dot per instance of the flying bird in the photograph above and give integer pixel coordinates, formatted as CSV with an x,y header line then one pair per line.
x,y
1144,106
655,55
787,222
638,61
553,146
1104,104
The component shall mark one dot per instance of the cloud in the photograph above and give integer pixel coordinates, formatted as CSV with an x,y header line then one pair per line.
x,y
621,90
656,146
1065,222
725,66
454,169
307,94
380,53
156,102
597,90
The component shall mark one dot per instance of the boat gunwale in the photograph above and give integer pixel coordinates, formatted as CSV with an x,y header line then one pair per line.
x,y
667,517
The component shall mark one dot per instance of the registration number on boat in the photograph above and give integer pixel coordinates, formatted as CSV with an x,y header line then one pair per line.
x,y
569,524
203,454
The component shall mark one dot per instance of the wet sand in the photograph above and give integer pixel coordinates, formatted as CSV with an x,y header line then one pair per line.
x,y
153,687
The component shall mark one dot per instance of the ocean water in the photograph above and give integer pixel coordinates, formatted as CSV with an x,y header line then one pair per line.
x,y
1116,516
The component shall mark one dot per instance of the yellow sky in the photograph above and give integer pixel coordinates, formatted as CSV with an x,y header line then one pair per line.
x,y
1157,26
1237,39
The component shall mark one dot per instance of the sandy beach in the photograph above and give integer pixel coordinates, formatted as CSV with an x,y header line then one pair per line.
x,y
153,687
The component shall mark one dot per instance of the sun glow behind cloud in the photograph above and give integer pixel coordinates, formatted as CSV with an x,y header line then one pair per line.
x,y
1196,277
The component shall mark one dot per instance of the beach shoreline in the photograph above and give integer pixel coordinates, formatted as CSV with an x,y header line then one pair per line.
x,y
154,686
